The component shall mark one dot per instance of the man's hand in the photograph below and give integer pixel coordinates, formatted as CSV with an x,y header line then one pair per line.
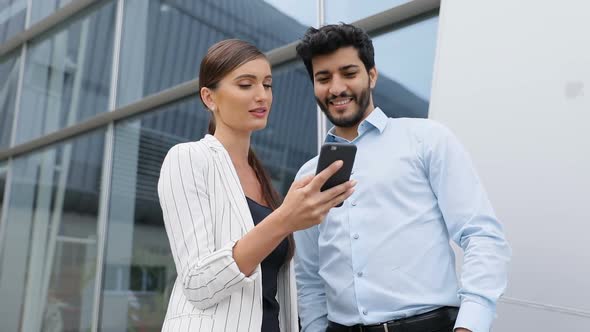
x,y
460,329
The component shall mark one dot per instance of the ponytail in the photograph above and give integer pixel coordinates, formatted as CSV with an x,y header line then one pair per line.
x,y
211,127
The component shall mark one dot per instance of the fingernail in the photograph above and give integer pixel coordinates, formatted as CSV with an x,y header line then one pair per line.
x,y
353,182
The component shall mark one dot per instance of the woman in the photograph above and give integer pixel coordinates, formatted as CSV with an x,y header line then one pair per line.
x,y
230,236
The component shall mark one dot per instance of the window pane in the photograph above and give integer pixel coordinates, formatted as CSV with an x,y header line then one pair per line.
x,y
12,18
43,8
404,59
67,74
48,253
139,269
348,11
152,61
305,12
13,14
9,66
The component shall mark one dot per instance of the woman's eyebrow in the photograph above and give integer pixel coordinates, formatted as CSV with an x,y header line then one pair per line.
x,y
250,76
245,76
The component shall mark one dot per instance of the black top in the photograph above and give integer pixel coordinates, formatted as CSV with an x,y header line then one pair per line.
x,y
270,270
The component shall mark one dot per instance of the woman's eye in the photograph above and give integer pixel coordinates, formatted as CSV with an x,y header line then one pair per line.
x,y
244,86
268,86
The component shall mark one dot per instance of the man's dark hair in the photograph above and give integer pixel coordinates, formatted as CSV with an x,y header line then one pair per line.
x,y
330,38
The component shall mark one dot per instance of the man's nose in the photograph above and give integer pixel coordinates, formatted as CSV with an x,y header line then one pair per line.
x,y
337,87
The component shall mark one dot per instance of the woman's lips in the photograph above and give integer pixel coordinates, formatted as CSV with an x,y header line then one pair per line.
x,y
259,112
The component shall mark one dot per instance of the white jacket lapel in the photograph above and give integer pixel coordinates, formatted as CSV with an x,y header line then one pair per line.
x,y
231,182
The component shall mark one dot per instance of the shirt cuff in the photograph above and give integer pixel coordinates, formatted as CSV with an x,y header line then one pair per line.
x,y
475,317
222,259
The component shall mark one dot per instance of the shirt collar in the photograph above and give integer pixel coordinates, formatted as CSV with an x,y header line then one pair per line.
x,y
377,119
212,142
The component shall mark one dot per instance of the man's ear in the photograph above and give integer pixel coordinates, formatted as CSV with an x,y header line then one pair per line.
x,y
207,97
373,74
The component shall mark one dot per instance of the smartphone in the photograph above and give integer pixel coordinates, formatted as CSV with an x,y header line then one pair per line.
x,y
331,152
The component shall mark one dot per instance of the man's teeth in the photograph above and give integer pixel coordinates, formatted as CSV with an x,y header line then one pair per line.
x,y
341,102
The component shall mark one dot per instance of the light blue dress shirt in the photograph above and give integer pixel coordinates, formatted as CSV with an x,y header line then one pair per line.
x,y
385,254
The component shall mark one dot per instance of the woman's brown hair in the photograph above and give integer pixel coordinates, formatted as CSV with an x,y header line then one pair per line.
x,y
221,59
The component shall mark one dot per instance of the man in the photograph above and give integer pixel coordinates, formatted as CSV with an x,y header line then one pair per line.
x,y
382,261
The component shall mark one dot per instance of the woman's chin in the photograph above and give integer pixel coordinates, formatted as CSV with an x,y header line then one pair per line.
x,y
258,126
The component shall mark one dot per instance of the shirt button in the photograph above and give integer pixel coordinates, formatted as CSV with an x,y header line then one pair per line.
x,y
355,236
353,203
365,312
359,274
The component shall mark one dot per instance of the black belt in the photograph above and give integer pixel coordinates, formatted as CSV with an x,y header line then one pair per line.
x,y
428,321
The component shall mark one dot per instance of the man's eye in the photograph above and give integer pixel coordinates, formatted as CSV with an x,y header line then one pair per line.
x,y
268,86
244,86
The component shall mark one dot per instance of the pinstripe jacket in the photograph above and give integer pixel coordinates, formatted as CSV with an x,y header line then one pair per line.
x,y
205,213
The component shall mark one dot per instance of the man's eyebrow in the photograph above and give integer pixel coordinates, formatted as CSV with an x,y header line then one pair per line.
x,y
348,67
321,72
343,68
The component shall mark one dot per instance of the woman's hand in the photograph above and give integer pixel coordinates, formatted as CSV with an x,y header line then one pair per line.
x,y
305,205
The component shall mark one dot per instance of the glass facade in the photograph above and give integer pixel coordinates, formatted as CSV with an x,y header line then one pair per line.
x,y
13,14
50,232
139,270
303,12
67,74
9,67
348,11
151,61
43,8
49,246
404,59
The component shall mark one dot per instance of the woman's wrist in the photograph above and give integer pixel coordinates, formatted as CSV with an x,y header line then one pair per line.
x,y
278,219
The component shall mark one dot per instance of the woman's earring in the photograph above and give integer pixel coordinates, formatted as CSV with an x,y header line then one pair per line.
x,y
212,108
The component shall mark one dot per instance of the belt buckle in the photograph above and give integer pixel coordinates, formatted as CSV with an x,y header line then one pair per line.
x,y
384,325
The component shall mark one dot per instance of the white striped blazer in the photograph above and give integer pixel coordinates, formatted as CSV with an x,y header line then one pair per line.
x,y
205,213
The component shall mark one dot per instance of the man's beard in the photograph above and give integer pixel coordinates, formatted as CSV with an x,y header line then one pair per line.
x,y
362,102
